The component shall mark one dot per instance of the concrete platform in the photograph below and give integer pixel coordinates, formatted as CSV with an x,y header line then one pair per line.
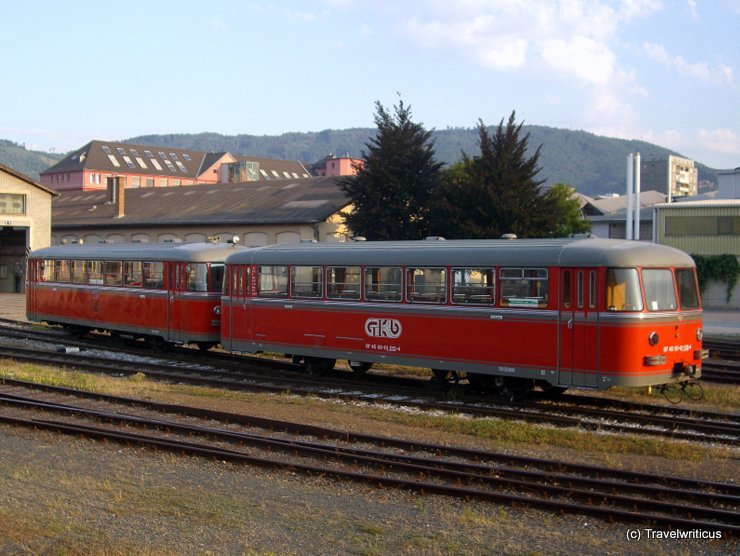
x,y
717,322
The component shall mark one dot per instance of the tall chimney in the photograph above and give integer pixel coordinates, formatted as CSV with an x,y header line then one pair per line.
x,y
120,196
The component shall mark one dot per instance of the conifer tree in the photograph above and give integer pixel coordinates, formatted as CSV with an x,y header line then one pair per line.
x,y
391,194
495,192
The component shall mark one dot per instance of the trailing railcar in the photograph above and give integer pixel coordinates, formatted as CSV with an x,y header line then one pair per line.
x,y
162,292
510,314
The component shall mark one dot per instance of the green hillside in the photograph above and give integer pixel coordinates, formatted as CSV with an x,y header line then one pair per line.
x,y
26,162
594,164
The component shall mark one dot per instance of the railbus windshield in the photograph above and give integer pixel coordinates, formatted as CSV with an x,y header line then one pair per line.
x,y
662,292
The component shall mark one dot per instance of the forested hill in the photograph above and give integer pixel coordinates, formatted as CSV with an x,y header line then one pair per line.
x,y
26,162
594,164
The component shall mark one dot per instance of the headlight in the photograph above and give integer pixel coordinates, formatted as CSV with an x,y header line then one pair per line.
x,y
653,339
699,334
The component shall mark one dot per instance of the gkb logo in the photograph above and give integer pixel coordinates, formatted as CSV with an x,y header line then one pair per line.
x,y
383,328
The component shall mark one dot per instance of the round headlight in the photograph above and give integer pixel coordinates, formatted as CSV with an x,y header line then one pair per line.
x,y
653,339
699,334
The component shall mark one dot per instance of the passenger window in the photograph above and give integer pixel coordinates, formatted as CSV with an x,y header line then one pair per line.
x,y
426,285
474,286
112,273
47,271
273,281
566,289
343,282
94,270
78,272
383,283
659,292
524,287
623,290
132,273
306,281
579,289
153,274
61,271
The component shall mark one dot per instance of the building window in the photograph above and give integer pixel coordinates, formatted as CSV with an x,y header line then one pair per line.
x,y
12,203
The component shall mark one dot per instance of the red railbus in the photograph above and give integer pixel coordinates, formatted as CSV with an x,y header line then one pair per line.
x,y
162,292
511,314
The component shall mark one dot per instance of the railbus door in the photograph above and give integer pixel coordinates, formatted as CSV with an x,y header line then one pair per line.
x,y
176,286
239,325
578,327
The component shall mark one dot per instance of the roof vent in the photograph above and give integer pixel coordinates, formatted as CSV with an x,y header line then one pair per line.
x,y
434,238
508,236
359,238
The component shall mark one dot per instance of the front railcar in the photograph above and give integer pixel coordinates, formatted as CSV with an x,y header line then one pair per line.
x,y
651,326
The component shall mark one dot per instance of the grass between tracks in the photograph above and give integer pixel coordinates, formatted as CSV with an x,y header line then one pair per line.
x,y
505,433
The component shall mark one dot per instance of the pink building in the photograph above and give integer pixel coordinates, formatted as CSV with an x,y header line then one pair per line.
x,y
89,167
337,166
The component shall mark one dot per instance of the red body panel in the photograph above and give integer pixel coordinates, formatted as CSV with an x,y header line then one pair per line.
x,y
133,310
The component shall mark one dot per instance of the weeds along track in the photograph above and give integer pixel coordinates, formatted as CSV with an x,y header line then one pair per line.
x,y
605,493
255,374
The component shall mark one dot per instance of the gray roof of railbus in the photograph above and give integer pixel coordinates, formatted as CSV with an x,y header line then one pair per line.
x,y
187,252
520,252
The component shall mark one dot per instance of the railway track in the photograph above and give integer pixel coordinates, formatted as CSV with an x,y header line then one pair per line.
x,y
723,366
607,494
634,419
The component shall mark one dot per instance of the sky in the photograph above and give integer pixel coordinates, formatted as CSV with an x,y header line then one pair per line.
x,y
666,72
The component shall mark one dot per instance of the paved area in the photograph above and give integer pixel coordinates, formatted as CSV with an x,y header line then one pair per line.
x,y
717,322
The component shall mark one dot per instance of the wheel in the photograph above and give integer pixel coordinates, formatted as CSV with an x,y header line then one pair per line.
x,y
550,390
318,366
359,368
205,346
441,374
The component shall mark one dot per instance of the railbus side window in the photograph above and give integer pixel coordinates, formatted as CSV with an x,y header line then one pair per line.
x,y
660,295
383,283
688,294
474,286
62,271
426,285
94,270
153,274
623,290
306,281
47,271
132,273
78,272
273,281
112,273
343,282
524,287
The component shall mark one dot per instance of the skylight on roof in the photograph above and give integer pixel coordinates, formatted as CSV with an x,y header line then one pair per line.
x,y
161,155
128,162
149,154
156,164
106,149
141,162
121,150
186,156
134,152
170,166
114,160
173,156
181,166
